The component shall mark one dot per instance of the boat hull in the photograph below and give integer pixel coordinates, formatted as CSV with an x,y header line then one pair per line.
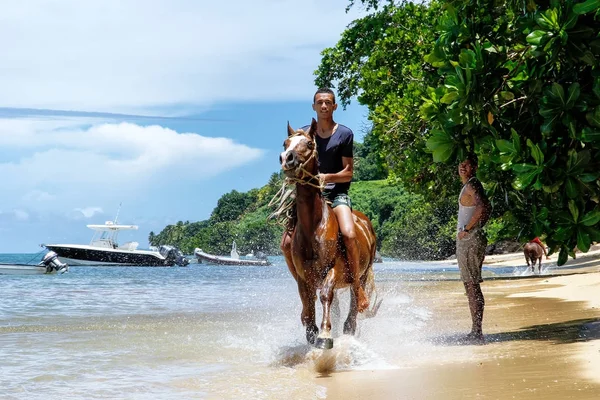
x,y
108,257
23,269
219,260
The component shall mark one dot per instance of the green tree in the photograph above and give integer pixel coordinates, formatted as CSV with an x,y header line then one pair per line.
x,y
515,82
231,205
521,88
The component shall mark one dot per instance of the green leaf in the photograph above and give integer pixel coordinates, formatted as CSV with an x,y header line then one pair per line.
x,y
536,153
571,188
589,177
449,97
467,58
590,135
591,218
563,256
516,140
558,93
507,96
583,241
593,117
593,232
505,146
586,7
536,37
441,145
526,173
573,94
571,21
574,211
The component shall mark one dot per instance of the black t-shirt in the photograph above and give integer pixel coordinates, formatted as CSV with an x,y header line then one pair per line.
x,y
331,151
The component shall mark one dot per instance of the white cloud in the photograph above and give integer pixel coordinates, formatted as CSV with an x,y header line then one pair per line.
x,y
89,212
51,166
128,56
21,215
38,196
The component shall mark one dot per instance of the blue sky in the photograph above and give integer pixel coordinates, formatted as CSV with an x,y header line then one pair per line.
x,y
162,106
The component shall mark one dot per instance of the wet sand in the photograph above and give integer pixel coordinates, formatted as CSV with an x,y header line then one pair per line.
x,y
542,341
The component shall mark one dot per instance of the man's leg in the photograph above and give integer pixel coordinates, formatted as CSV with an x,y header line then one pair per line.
x,y
346,223
476,306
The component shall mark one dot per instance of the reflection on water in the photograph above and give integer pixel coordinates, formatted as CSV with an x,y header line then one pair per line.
x,y
205,331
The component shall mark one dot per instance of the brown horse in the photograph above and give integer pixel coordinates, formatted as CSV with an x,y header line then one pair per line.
x,y
533,252
313,250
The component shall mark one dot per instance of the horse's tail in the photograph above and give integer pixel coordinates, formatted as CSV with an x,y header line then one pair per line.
x,y
371,292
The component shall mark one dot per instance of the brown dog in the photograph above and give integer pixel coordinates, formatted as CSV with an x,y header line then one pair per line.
x,y
533,251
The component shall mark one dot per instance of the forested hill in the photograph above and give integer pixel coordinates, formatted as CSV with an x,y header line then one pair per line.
x,y
407,226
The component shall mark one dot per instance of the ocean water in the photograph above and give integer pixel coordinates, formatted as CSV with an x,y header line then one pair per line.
x,y
203,331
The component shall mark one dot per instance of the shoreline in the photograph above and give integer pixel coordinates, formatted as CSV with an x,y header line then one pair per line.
x,y
542,340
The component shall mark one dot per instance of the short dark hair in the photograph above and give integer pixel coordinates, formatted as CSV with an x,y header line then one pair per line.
x,y
324,90
472,157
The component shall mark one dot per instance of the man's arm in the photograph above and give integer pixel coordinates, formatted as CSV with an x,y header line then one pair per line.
x,y
344,175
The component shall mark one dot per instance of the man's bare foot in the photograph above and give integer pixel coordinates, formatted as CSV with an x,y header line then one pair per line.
x,y
474,338
362,302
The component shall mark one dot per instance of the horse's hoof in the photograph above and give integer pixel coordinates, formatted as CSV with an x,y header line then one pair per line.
x,y
311,335
349,328
324,343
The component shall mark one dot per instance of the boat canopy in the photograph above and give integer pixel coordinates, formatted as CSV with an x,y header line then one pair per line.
x,y
110,226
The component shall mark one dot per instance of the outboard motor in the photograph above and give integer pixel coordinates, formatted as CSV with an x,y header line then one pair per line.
x,y
53,264
173,256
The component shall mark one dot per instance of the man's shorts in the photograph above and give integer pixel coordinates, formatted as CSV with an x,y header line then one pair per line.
x,y
470,253
338,200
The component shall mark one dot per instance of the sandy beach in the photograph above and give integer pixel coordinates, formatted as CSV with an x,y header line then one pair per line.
x,y
542,341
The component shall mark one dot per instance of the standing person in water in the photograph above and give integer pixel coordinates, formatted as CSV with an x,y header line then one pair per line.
x,y
473,212
336,165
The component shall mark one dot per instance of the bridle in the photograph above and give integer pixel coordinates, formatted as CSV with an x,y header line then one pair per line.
x,y
305,173
285,198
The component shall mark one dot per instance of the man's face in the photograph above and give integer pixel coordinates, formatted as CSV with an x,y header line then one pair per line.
x,y
324,105
466,169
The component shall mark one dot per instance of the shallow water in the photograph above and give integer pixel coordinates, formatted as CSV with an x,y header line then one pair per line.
x,y
198,332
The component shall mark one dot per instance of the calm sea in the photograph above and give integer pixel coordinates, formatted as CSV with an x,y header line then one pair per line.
x,y
202,331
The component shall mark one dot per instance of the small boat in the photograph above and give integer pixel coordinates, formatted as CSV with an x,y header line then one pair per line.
x,y
105,250
50,264
234,258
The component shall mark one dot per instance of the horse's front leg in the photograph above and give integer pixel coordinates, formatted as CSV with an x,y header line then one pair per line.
x,y
324,340
308,298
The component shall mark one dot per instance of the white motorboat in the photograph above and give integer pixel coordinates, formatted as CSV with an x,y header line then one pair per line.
x,y
233,259
105,250
50,264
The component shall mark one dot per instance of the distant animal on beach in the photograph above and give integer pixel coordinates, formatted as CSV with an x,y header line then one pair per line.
x,y
533,252
313,248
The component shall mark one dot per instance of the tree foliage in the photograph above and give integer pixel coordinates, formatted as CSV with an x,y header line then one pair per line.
x,y
516,82
521,88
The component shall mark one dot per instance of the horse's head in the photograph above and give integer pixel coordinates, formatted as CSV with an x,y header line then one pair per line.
x,y
299,157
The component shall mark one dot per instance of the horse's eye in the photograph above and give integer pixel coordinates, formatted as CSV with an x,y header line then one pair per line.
x,y
311,145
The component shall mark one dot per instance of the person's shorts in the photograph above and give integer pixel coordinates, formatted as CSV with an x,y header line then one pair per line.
x,y
338,200
470,253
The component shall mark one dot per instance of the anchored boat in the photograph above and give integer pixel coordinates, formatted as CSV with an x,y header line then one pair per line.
x,y
105,250
234,258
50,264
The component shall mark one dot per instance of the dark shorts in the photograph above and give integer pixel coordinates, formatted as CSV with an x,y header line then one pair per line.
x,y
338,199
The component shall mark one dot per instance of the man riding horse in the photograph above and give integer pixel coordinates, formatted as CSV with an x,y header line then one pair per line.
x,y
327,245
336,164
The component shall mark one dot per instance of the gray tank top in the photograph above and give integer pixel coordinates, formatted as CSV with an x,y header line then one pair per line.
x,y
465,213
